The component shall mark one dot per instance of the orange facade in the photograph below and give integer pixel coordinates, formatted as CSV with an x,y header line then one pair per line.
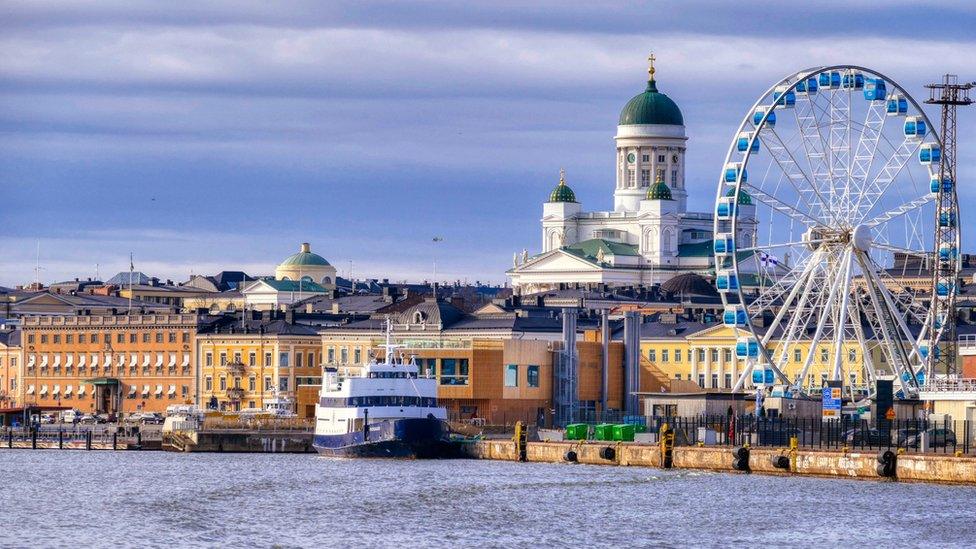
x,y
115,363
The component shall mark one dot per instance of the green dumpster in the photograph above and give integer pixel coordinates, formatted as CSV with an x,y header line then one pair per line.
x,y
576,431
640,428
624,432
603,431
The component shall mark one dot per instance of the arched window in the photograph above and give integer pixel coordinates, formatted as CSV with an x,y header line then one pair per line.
x,y
666,240
419,317
214,309
326,280
285,278
230,308
307,278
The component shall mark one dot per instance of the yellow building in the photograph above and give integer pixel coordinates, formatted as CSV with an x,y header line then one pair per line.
x,y
243,365
11,358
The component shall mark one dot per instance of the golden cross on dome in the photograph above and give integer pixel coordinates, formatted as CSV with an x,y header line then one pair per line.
x,y
562,176
650,66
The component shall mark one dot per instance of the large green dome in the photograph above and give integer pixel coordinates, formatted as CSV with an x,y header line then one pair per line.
x,y
562,192
651,107
304,257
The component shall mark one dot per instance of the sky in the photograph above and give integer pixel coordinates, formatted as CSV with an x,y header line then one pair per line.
x,y
208,136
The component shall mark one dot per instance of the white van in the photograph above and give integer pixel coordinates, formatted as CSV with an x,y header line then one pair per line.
x,y
70,416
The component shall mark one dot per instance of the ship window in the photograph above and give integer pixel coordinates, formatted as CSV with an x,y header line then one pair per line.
x,y
532,374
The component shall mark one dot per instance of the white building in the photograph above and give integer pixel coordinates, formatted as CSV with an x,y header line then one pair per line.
x,y
649,236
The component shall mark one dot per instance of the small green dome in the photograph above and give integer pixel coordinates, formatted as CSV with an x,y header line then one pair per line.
x,y
304,257
744,198
651,107
562,192
659,191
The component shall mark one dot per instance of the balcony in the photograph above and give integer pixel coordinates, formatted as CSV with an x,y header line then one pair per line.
x,y
236,368
235,393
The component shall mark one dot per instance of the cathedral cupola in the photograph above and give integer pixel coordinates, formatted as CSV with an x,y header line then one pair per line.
x,y
562,192
659,191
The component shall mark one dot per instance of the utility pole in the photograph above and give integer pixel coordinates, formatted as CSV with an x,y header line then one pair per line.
x,y
949,94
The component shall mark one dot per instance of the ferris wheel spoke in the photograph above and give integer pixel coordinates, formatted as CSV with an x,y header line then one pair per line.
x,y
780,206
872,192
900,210
781,245
834,282
868,373
867,146
814,144
791,169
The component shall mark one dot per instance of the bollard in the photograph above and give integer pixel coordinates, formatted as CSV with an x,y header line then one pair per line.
x,y
34,439
667,446
794,445
60,439
887,460
10,438
570,456
740,458
520,439
88,440
115,440
608,453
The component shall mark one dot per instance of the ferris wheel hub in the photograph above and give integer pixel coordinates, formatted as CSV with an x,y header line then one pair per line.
x,y
862,237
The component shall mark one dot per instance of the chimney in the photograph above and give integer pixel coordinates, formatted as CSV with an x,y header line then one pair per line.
x,y
335,307
290,316
308,308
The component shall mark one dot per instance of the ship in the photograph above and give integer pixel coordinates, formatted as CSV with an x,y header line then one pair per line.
x,y
388,410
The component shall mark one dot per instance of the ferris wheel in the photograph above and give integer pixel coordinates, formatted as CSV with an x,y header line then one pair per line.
x,y
830,218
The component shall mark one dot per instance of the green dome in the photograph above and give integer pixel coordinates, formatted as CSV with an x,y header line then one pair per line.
x,y
651,107
562,192
744,198
304,257
659,191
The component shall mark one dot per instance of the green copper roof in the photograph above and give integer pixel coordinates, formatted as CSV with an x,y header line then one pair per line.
x,y
744,198
651,107
304,257
590,249
562,192
659,191
295,285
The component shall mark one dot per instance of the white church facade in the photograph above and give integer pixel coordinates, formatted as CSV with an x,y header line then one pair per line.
x,y
649,236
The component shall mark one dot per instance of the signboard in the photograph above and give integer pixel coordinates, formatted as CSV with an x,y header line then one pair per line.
x,y
831,400
890,414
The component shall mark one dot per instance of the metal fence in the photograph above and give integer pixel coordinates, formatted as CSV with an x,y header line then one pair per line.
x,y
911,435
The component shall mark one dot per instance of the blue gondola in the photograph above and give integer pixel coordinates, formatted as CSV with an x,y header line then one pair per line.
x,y
724,244
806,86
735,316
853,80
915,126
784,96
732,172
929,154
725,209
948,252
940,320
830,79
758,116
746,347
897,105
742,143
875,89
947,219
946,186
923,349
943,289
726,281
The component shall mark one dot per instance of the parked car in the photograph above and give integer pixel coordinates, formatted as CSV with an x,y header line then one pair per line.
x,y
149,418
88,419
70,416
868,437
47,419
105,418
938,438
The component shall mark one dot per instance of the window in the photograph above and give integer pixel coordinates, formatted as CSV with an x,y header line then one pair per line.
x,y
159,337
223,359
651,355
237,382
631,177
251,383
511,375
208,383
645,158
677,376
823,379
171,337
701,380
853,377
331,355
57,338
852,355
145,337
298,360
660,158
30,338
664,355
727,354
132,337
797,355
311,359
282,360
677,355
358,356
701,355
69,338
208,359
645,178
674,177
223,383
454,371
344,355
728,381
532,375
43,338
714,381
283,384
823,354
185,391
427,366
267,359
120,338
714,355
268,383
252,359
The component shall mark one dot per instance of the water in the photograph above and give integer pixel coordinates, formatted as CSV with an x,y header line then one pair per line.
x,y
155,499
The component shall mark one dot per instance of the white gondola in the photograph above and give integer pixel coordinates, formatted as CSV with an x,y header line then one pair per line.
x,y
875,89
726,207
760,113
735,316
914,126
746,347
732,170
853,80
724,244
727,281
897,105
742,143
929,154
948,252
784,96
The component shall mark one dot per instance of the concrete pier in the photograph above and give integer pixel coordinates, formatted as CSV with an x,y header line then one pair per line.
x,y
864,465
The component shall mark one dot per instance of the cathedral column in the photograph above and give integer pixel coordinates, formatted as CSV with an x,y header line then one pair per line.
x,y
694,364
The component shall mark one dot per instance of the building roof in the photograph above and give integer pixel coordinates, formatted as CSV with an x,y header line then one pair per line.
x,y
651,107
294,285
305,256
659,191
123,279
431,311
233,325
689,284
10,338
562,192
590,249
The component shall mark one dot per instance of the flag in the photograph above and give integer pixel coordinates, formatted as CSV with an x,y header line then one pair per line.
x,y
438,239
767,259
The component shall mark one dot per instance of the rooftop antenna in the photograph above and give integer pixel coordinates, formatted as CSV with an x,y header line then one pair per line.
x,y
37,267
949,94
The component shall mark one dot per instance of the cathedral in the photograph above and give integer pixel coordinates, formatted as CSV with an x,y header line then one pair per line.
x,y
649,237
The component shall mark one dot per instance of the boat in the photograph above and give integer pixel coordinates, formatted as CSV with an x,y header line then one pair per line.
x,y
388,410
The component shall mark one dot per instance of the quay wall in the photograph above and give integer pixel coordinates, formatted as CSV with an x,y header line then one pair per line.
x,y
861,465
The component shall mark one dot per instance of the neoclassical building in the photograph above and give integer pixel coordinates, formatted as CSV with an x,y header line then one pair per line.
x,y
649,236
307,266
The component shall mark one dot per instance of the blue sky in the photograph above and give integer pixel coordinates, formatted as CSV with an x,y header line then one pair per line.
x,y
220,136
